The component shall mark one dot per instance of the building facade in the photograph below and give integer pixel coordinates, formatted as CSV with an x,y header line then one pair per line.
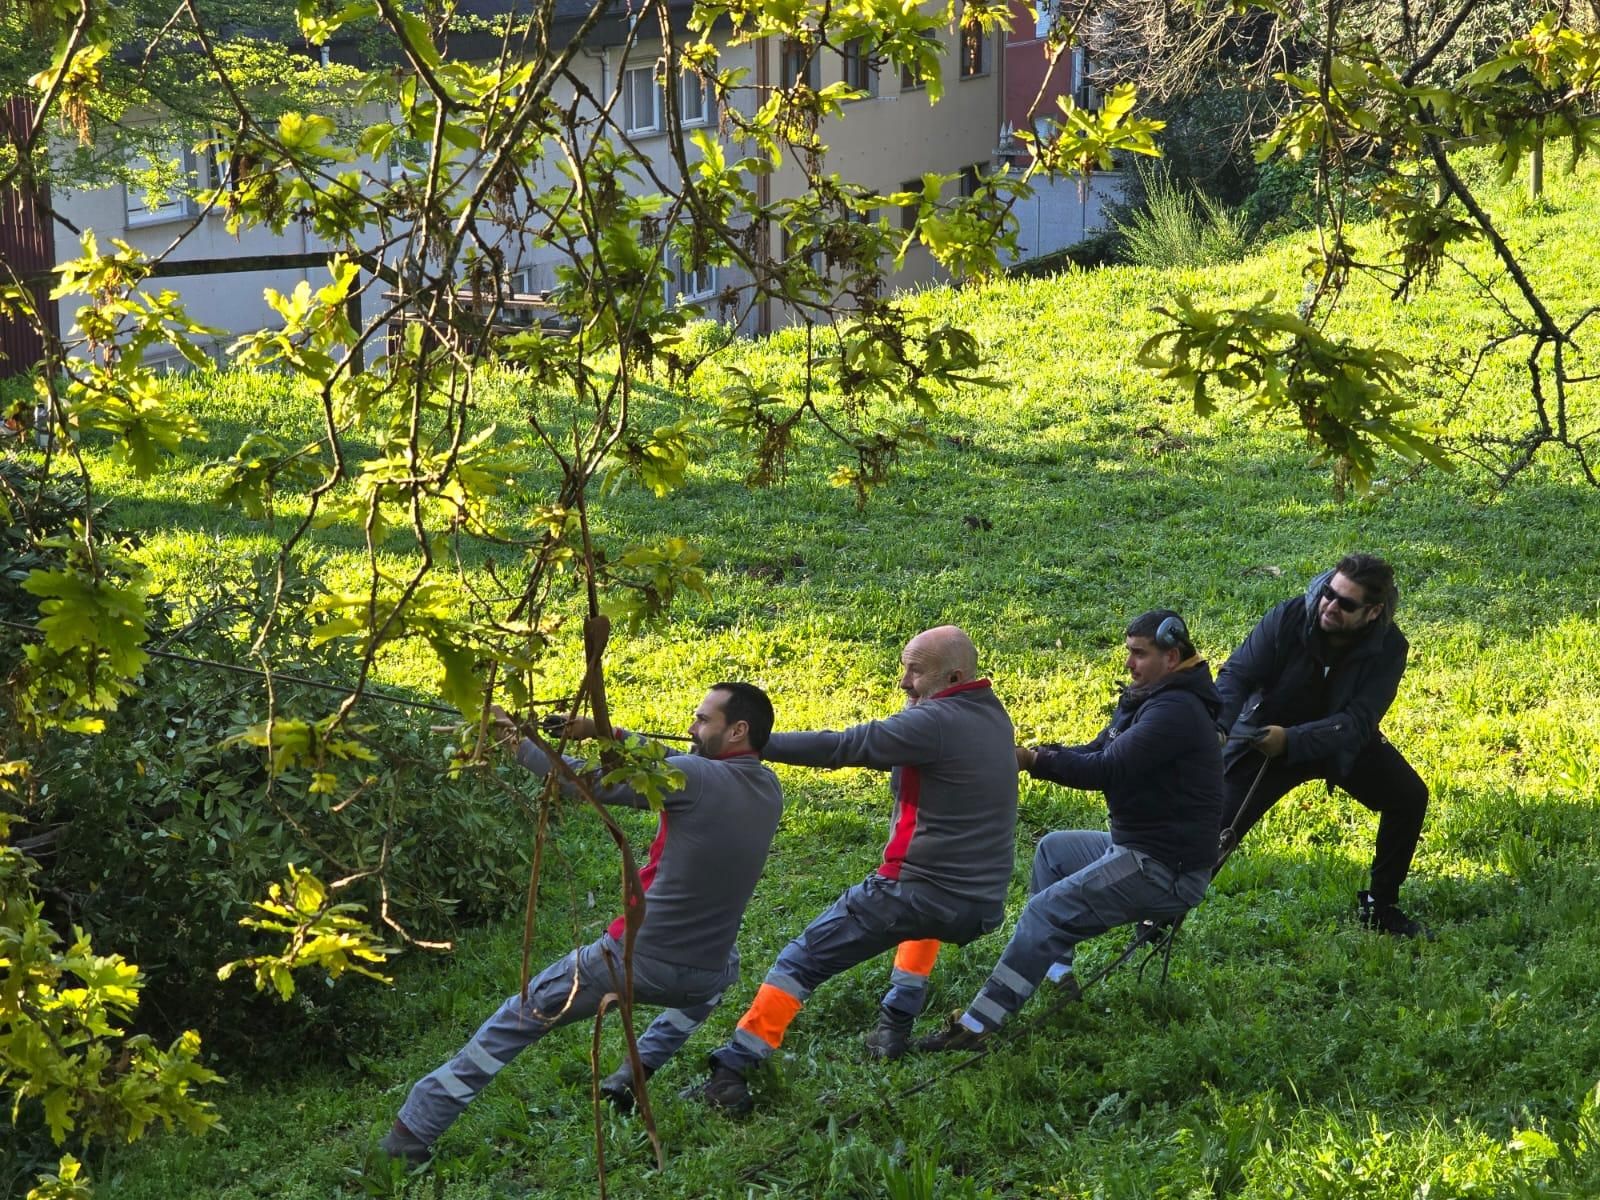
x,y
886,141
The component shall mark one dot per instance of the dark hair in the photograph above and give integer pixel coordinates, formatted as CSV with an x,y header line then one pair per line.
x,y
748,703
1374,576
1148,625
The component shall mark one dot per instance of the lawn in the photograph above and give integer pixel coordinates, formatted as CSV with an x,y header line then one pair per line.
x,y
1289,1053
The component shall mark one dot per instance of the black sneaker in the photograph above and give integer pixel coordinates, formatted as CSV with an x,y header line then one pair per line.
x,y
724,1089
954,1036
888,1040
401,1143
617,1087
1388,918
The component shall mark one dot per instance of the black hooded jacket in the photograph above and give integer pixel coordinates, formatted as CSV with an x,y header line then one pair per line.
x,y
1159,767
1286,673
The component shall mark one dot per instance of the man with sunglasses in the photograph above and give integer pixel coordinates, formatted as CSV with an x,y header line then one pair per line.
x,y
1302,699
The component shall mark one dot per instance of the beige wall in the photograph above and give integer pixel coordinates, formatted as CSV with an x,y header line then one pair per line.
x,y
895,137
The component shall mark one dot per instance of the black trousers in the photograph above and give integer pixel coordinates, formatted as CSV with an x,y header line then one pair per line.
x,y
1381,780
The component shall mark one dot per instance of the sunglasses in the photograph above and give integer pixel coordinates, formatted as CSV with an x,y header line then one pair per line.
x,y
1344,602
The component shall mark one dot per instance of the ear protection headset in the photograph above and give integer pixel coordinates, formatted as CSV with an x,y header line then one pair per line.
x,y
1172,633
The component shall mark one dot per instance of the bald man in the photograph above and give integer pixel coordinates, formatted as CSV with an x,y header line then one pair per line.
x,y
953,775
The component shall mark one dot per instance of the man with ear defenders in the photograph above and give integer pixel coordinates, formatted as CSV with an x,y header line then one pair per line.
x,y
945,869
1161,771
1306,691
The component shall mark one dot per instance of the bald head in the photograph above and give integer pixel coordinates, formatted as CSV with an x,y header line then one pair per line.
x,y
936,659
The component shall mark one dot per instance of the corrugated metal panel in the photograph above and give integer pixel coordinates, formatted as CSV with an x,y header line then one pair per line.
x,y
27,249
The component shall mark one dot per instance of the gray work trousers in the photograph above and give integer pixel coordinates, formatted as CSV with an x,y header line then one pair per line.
x,y
1082,885
566,991
868,919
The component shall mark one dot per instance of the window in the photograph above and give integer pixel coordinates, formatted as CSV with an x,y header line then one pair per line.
x,y
860,72
971,180
689,283
641,100
974,52
1044,17
908,214
797,64
1083,95
198,170
908,78
795,250
694,101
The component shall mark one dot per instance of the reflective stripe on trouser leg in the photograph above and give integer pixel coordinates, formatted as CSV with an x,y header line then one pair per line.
x,y
908,981
1118,888
672,1028
561,993
1002,994
865,921
667,1034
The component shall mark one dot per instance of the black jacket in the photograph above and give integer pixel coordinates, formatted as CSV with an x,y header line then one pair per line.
x,y
1329,705
1159,767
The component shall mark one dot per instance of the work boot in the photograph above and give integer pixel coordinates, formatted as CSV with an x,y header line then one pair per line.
x,y
723,1089
401,1143
617,1087
954,1036
1388,918
888,1040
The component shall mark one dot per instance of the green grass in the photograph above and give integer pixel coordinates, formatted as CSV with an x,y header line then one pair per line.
x,y
1290,1054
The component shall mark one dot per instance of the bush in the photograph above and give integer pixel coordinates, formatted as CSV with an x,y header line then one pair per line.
x,y
66,1068
1099,249
168,832
1284,199
1171,231
160,833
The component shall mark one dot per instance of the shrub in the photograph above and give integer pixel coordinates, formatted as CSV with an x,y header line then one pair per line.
x,y
66,1068
158,835
1284,199
1172,231
168,831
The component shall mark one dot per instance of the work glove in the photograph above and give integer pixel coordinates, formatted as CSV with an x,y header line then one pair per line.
x,y
1273,741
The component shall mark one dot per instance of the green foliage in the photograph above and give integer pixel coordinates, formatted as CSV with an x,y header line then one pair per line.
x,y
641,766
322,935
64,1049
1086,139
66,1183
169,828
82,591
1283,198
174,828
1347,397
92,615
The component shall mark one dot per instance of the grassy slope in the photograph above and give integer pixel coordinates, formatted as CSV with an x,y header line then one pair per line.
x,y
1290,1054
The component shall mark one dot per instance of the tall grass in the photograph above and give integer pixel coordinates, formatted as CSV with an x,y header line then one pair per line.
x,y
1176,227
